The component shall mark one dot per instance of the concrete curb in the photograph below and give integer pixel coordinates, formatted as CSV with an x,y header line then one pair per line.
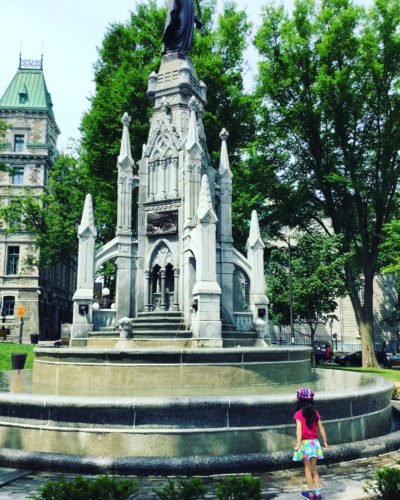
x,y
143,466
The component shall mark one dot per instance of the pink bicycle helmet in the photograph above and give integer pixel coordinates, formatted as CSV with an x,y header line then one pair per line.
x,y
305,394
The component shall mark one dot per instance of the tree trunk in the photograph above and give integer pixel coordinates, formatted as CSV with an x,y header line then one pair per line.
x,y
365,320
312,338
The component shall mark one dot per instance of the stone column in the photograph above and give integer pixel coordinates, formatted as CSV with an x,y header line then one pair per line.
x,y
83,297
156,179
163,304
176,290
255,257
207,320
164,179
151,180
173,170
188,197
147,290
225,229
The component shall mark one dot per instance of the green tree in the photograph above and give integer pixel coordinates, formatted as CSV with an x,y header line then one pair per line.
x,y
53,217
318,279
129,53
330,129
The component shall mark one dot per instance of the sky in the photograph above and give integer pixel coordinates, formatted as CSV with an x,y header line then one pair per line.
x,y
69,32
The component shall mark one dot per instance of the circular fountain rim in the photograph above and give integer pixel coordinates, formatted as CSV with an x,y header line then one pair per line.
x,y
207,465
376,385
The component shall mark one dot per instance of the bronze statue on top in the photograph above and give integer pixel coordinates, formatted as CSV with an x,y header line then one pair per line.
x,y
179,28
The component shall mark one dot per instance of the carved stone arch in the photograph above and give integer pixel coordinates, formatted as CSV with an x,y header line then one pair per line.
x,y
155,155
106,253
163,257
241,289
170,153
158,257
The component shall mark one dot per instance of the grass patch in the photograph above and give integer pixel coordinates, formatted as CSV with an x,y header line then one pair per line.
x,y
8,348
390,374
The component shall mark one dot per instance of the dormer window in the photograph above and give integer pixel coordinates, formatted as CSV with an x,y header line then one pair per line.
x,y
23,95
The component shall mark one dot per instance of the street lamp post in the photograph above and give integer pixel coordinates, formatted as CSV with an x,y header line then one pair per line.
x,y
105,293
290,288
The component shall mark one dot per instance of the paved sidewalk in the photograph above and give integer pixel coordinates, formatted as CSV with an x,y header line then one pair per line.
x,y
340,481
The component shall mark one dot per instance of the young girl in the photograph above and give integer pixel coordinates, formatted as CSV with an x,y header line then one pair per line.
x,y
308,448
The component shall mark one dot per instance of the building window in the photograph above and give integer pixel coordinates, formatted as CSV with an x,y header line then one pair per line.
x,y
19,141
17,176
8,306
12,260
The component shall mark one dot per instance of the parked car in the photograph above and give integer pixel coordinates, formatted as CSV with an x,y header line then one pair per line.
x,y
355,359
352,359
393,360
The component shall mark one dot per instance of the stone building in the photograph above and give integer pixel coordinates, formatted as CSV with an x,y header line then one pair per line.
x,y
178,273
29,150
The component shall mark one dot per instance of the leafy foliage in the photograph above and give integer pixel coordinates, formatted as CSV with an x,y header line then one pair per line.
x,y
101,488
390,247
386,484
190,489
317,280
329,130
53,217
239,488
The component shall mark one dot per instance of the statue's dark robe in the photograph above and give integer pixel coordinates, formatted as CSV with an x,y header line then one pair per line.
x,y
179,28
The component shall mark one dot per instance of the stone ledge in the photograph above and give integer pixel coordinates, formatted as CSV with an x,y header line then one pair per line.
x,y
142,466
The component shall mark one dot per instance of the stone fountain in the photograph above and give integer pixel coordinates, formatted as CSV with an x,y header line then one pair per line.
x,y
180,374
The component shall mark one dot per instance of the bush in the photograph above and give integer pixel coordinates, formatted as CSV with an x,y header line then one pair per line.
x,y
102,488
192,489
385,485
239,488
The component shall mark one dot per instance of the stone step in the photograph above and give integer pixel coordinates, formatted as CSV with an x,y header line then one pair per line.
x,y
104,333
147,314
159,326
172,334
158,319
145,334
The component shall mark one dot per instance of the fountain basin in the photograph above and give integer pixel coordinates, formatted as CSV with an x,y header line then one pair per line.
x,y
171,368
217,403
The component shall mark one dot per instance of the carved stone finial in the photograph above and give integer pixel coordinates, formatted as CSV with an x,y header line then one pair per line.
x,y
255,235
193,104
126,120
224,134
125,156
153,76
87,227
165,106
184,67
224,166
193,129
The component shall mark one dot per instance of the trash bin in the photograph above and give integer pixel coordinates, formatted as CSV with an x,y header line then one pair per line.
x,y
18,360
35,338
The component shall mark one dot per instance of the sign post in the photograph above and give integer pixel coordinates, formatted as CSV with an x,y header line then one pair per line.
x,y
21,314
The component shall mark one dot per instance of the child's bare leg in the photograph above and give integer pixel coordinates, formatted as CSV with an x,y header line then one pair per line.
x,y
314,472
308,474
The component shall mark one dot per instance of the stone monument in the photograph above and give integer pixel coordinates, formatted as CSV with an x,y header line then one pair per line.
x,y
178,273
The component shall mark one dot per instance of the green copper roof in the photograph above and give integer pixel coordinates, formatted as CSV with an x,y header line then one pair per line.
x,y
27,91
